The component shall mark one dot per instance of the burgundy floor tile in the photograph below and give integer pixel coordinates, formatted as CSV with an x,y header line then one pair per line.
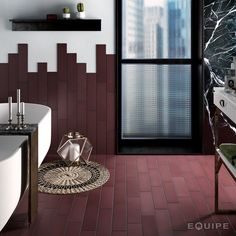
x,y
65,204
188,209
223,225
200,204
134,210
78,209
189,233
155,177
111,180
159,198
120,171
151,162
132,187
197,168
165,173
178,221
142,164
73,228
120,193
170,192
162,160
175,168
231,193
149,225
180,186
119,233
104,222
119,217
88,233
207,188
173,202
147,205
191,181
232,220
163,223
135,230
44,226
144,182
131,168
111,162
92,209
107,196
58,225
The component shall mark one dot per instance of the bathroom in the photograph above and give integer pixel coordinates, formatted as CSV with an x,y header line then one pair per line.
x,y
84,75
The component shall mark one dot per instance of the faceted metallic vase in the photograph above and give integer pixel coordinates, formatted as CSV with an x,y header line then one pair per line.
x,y
74,147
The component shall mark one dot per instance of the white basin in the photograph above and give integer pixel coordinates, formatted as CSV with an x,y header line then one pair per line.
x,y
10,155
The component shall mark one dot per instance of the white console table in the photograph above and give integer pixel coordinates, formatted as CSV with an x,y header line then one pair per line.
x,y
225,103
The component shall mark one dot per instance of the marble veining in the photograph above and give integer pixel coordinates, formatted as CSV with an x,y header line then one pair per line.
x,y
219,48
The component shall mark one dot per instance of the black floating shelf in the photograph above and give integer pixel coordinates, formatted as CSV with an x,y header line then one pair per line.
x,y
56,25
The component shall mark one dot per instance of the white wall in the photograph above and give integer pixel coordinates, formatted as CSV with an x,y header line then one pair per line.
x,y
42,45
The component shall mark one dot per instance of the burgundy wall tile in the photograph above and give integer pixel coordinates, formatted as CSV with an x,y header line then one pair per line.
x,y
62,62
101,137
92,129
71,92
12,74
62,99
91,92
62,128
3,82
111,123
54,141
23,62
80,101
42,83
52,90
82,98
101,63
33,87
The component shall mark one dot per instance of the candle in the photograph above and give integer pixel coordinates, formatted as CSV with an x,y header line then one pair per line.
x,y
22,108
18,101
10,107
74,152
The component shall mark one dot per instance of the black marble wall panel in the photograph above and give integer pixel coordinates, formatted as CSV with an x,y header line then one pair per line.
x,y
219,50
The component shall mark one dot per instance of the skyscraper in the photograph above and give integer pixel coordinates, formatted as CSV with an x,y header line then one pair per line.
x,y
156,99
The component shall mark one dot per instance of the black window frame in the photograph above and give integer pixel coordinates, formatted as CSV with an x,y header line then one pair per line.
x,y
167,146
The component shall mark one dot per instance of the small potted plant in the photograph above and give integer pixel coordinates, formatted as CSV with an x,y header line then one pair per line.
x,y
66,13
81,12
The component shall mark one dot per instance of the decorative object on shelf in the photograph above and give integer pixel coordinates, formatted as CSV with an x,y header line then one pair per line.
x,y
66,13
81,12
51,17
230,78
74,147
57,178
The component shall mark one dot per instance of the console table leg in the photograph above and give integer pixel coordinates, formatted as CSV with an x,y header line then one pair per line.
x,y
216,184
33,176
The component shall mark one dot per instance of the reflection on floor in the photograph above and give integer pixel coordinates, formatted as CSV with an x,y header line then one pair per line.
x,y
146,195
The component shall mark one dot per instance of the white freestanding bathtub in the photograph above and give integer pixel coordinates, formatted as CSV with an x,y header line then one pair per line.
x,y
10,155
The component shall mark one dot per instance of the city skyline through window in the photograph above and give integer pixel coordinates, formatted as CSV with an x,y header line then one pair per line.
x,y
156,96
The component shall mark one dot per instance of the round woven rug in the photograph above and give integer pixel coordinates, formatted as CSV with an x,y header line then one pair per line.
x,y
58,178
